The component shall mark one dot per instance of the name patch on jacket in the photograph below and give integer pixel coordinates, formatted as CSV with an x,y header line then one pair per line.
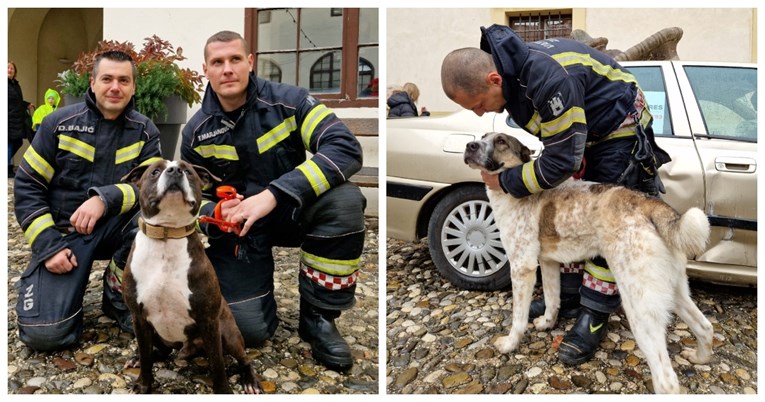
x,y
212,134
77,128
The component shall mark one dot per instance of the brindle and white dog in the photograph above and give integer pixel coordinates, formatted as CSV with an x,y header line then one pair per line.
x,y
644,240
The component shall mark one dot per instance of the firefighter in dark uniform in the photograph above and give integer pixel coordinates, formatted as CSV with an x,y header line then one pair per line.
x,y
73,209
594,124
253,134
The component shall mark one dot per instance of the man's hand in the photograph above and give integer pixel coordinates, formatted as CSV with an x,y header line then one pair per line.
x,y
491,180
248,210
85,217
62,262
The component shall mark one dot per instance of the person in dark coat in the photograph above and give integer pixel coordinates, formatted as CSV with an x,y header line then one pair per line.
x,y
401,103
19,116
594,123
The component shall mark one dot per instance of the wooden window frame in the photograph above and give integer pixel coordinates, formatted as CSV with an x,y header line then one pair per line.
x,y
348,95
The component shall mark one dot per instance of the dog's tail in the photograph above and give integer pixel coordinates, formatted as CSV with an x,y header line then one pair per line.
x,y
688,232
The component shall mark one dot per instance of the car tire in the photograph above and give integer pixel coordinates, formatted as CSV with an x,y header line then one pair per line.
x,y
464,241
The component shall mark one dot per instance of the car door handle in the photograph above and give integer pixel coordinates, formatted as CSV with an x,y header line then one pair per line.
x,y
735,164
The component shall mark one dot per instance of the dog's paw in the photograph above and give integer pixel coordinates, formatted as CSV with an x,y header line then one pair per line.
x,y
250,380
506,344
542,323
694,357
140,388
133,362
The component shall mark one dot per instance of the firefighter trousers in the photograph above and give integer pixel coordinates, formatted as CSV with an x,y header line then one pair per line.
x,y
330,235
50,306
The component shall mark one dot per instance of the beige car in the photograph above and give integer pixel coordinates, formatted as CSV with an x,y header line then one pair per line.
x,y
705,117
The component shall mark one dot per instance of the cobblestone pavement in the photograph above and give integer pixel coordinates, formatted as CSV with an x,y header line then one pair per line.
x,y
284,363
439,340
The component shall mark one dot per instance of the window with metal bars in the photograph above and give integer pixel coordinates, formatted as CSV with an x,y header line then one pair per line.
x,y
543,25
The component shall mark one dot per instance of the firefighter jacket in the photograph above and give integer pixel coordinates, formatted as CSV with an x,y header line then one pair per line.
x,y
564,92
75,155
263,144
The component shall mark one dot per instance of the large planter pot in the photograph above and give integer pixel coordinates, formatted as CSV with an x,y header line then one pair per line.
x,y
71,99
170,126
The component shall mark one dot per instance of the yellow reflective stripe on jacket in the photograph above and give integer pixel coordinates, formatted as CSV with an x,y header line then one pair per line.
x,y
128,153
149,161
534,124
204,202
218,151
570,58
602,273
563,122
128,197
77,147
312,121
623,132
530,178
40,223
315,176
276,135
330,266
39,164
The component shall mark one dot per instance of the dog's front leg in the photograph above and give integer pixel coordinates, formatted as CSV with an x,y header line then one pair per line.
x,y
233,344
523,277
214,344
551,291
144,333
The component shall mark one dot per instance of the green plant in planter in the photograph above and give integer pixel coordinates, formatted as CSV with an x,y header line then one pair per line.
x,y
159,76
72,83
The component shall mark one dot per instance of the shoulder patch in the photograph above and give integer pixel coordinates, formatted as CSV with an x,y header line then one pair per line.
x,y
311,100
556,104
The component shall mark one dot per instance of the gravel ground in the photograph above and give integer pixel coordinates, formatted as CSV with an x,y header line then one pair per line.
x,y
439,340
284,363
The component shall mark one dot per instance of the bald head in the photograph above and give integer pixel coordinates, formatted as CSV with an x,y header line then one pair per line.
x,y
465,70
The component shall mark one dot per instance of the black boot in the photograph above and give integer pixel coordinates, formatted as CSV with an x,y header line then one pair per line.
x,y
580,344
317,327
117,311
569,306
114,307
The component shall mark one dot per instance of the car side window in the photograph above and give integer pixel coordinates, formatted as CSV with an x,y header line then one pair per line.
x,y
727,98
651,80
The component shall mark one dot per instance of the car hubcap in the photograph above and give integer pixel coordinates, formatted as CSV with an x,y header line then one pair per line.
x,y
470,240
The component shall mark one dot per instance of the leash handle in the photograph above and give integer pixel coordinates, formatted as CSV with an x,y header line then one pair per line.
x,y
225,193
221,224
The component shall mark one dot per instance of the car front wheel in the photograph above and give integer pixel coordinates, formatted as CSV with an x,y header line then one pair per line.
x,y
464,241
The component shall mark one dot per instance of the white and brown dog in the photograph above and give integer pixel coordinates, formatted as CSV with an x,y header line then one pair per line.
x,y
644,240
169,283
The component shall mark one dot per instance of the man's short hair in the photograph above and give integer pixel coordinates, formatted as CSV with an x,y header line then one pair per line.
x,y
114,55
464,70
225,37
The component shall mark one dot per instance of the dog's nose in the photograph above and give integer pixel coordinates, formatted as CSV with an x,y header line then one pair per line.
x,y
472,145
173,170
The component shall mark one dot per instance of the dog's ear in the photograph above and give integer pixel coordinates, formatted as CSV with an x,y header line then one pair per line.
x,y
525,154
208,179
134,176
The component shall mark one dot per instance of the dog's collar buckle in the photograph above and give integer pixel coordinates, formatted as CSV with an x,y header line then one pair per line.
x,y
163,232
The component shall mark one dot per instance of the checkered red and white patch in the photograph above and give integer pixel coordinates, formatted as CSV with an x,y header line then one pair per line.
x,y
600,286
571,268
114,281
329,281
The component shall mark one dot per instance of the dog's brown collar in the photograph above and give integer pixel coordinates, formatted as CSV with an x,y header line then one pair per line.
x,y
162,232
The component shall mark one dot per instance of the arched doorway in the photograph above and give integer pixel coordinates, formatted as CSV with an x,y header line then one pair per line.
x,y
46,41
